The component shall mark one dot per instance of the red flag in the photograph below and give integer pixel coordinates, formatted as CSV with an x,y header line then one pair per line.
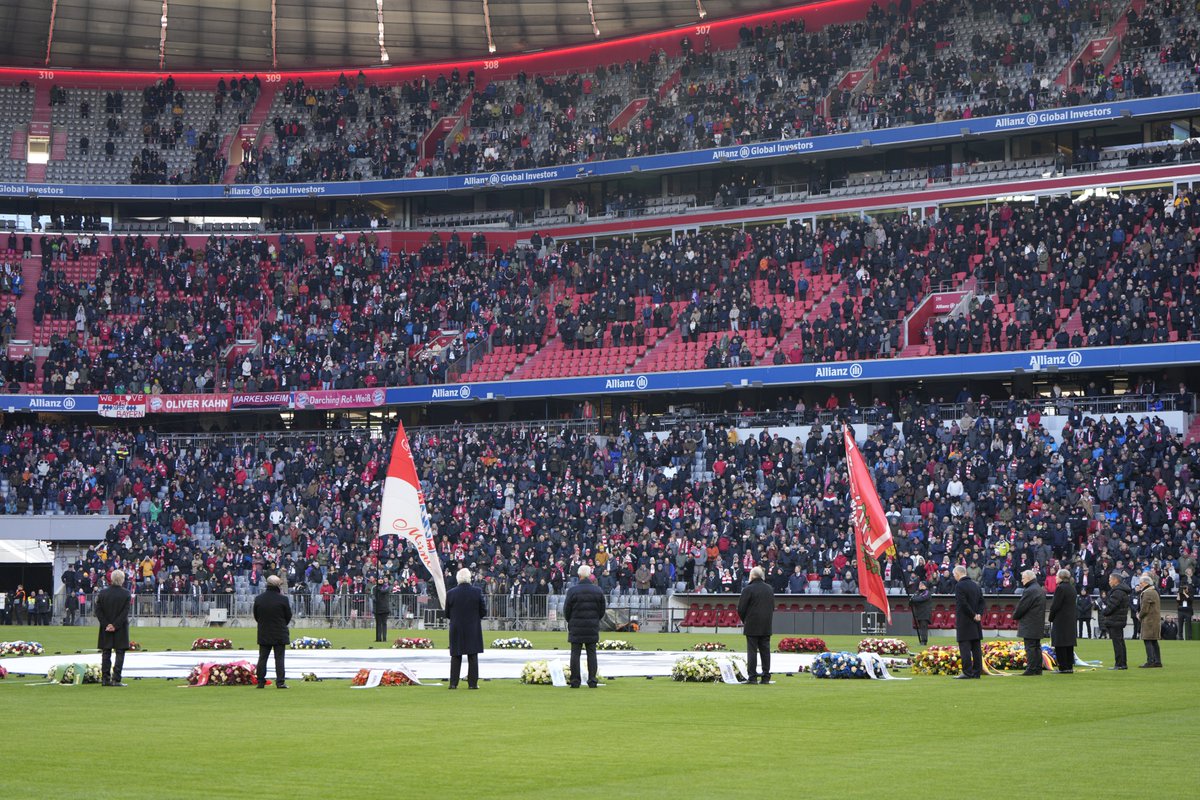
x,y
872,536
403,511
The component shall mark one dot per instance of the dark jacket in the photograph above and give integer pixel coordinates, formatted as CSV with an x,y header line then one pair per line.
x,y
1031,612
1084,608
112,608
273,613
381,599
1115,613
756,607
583,609
921,604
968,601
1062,615
465,608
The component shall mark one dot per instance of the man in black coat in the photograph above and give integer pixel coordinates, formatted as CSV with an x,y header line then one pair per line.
x,y
968,619
1031,621
756,607
465,609
583,610
382,602
112,612
921,604
1114,616
273,613
1062,622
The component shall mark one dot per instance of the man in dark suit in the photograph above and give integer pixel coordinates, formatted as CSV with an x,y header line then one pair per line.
x,y
756,607
112,612
273,613
968,622
465,609
1062,622
382,602
1114,615
583,610
1031,621
921,604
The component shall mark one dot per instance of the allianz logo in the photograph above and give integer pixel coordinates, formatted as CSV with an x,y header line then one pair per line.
x,y
1042,360
639,382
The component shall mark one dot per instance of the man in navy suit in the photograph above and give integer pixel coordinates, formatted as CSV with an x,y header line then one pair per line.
x,y
968,621
465,608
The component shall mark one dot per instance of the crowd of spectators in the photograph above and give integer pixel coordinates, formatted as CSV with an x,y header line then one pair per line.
x,y
693,508
343,313
347,312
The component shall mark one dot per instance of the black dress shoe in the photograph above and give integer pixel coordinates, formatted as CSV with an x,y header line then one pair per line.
x,y
1145,666
282,686
260,686
118,683
1066,672
453,686
106,682
472,687
962,677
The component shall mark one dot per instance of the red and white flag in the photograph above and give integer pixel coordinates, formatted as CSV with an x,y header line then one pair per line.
x,y
872,536
403,511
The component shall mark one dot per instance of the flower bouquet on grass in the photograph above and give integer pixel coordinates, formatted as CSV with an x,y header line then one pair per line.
x,y
212,644
20,648
884,647
512,643
838,665
802,644
74,673
236,673
310,677
390,678
938,660
710,647
1004,655
310,643
3,673
704,669
537,673
135,647
614,644
414,643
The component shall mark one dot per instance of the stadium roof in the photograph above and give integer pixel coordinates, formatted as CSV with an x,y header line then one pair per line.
x,y
236,35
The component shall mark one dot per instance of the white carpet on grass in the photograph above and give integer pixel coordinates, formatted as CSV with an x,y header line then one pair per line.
x,y
427,664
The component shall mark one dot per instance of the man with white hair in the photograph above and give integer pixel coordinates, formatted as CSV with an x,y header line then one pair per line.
x,y
756,607
583,609
1031,621
1151,616
465,610
968,623
112,612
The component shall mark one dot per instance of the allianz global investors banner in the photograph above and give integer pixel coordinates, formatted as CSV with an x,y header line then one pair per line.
x,y
188,403
122,406
262,400
339,398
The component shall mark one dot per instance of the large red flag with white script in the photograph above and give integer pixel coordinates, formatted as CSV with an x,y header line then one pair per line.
x,y
403,511
872,537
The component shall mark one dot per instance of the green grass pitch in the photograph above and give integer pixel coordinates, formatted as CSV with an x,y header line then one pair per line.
x,y
1092,734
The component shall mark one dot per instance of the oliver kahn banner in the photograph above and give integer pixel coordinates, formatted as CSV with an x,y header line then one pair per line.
x,y
188,403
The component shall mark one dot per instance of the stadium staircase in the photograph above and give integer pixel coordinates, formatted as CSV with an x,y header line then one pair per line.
x,y
253,129
823,291
20,139
1193,431
629,113
1106,48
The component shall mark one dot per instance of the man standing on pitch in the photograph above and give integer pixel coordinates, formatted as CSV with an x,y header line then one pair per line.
x,y
465,609
583,610
1151,614
1062,622
756,607
112,611
1031,621
382,601
273,613
968,622
1113,617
